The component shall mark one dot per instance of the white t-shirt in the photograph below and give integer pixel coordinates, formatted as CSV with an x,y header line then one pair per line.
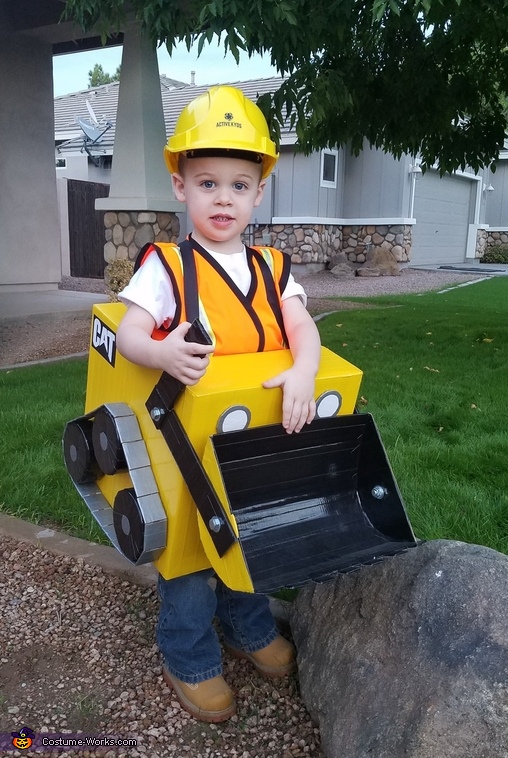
x,y
151,287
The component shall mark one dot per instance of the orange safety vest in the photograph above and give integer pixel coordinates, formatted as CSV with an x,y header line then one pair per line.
x,y
237,323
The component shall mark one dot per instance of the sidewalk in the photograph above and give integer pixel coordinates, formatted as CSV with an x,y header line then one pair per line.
x,y
46,305
489,269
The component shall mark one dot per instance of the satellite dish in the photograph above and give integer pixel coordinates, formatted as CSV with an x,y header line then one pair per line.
x,y
92,133
93,129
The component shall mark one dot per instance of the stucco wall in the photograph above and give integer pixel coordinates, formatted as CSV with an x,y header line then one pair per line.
x,y
30,234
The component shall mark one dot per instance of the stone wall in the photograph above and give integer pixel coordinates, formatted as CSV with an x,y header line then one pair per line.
x,y
486,238
357,240
495,239
310,244
481,242
128,231
305,243
317,243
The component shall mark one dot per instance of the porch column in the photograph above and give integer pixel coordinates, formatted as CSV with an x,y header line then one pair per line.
x,y
140,207
30,232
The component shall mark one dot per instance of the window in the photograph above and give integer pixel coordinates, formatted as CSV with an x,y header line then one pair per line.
x,y
329,159
61,163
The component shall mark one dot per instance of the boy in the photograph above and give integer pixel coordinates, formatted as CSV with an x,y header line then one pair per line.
x,y
219,157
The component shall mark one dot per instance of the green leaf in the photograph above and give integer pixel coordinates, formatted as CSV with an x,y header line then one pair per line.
x,y
378,9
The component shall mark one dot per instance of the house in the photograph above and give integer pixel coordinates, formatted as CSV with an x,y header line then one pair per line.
x,y
327,201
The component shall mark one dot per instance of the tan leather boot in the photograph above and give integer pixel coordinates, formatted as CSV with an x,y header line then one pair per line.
x,y
274,660
211,700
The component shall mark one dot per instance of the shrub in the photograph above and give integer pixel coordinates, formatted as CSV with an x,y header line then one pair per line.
x,y
117,275
497,254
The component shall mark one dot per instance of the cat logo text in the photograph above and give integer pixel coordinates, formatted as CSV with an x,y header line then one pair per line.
x,y
104,340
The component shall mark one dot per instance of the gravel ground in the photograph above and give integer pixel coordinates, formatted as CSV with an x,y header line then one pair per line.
x,y
78,654
77,647
324,285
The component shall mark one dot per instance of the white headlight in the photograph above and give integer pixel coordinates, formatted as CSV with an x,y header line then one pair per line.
x,y
328,404
233,419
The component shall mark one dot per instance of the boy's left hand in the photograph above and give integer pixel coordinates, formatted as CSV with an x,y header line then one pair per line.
x,y
298,404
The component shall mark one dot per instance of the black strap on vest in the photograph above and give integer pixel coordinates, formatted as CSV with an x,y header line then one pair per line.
x,y
141,255
152,247
271,292
190,281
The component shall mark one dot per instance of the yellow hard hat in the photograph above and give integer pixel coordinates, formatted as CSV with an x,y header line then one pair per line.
x,y
222,119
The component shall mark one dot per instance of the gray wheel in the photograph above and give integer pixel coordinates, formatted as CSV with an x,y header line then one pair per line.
x,y
129,524
79,452
106,443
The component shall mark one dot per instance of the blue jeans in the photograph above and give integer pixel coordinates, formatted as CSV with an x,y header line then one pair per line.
x,y
185,635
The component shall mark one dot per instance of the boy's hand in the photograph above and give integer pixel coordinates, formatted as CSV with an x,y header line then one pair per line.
x,y
186,361
298,404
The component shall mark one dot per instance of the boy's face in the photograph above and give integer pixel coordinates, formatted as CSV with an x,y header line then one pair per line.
x,y
220,194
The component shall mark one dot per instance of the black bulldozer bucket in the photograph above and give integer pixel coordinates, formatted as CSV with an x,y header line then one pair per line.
x,y
313,504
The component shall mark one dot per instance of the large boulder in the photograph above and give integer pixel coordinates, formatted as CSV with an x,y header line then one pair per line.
x,y
340,267
409,658
343,271
381,260
369,271
338,257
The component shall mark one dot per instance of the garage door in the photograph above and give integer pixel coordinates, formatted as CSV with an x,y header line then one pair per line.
x,y
442,211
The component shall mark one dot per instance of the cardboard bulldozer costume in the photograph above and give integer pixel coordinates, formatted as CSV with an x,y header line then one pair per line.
x,y
206,475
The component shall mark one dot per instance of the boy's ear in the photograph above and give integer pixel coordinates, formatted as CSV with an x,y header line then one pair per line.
x,y
259,196
178,187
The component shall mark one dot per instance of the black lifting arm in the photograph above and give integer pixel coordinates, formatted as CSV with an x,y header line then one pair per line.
x,y
160,405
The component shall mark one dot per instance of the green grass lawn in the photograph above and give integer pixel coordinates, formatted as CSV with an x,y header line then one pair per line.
x,y
435,379
36,403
